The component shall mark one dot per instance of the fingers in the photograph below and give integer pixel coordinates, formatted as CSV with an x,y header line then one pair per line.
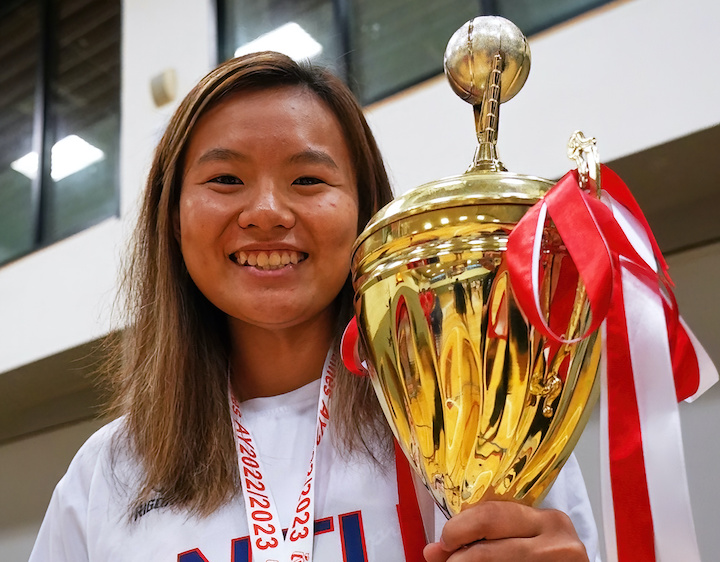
x,y
434,552
491,520
507,531
510,550
495,551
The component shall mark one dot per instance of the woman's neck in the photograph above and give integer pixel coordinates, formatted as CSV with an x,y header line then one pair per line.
x,y
271,362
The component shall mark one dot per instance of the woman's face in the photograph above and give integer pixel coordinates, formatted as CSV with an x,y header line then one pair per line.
x,y
269,207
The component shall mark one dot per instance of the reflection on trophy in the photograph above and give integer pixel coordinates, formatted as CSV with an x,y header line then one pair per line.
x,y
482,404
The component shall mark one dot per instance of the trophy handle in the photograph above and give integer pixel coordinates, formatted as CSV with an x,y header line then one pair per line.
x,y
349,350
584,151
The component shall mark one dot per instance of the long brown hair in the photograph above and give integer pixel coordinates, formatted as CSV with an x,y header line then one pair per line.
x,y
170,375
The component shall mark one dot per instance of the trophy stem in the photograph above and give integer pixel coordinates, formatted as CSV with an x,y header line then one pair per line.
x,y
487,116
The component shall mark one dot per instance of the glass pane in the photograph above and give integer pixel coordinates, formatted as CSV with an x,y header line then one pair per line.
x,y
387,45
19,47
302,29
84,115
397,43
532,16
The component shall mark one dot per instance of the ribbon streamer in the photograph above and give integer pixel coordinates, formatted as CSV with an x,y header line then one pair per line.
x,y
651,360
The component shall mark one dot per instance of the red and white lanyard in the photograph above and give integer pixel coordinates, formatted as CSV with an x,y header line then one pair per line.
x,y
268,544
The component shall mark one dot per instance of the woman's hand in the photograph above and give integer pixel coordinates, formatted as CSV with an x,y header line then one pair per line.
x,y
502,530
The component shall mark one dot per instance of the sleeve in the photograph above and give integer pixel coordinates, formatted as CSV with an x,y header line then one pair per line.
x,y
63,534
569,495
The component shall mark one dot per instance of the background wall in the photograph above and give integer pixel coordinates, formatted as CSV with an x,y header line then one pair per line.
x,y
635,75
29,470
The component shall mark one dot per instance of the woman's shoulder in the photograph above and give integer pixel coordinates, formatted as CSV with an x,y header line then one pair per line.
x,y
83,496
98,456
104,435
100,442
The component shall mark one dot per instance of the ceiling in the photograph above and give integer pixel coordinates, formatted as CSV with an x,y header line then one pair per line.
x,y
677,189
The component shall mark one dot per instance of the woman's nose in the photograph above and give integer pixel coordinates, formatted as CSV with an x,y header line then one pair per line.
x,y
267,207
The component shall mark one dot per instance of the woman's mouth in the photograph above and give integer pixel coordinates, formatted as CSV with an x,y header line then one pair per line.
x,y
268,260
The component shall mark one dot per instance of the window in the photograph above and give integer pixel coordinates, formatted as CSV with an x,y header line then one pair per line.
x,y
59,120
378,46
533,16
399,43
299,28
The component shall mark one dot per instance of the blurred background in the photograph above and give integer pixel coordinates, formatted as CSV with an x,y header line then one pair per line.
x,y
87,86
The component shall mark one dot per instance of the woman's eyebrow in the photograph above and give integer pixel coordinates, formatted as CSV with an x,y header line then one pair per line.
x,y
313,157
222,154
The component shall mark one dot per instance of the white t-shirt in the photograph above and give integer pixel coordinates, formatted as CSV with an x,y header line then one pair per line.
x,y
356,518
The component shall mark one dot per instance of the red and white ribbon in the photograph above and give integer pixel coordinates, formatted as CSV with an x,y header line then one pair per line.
x,y
651,360
267,541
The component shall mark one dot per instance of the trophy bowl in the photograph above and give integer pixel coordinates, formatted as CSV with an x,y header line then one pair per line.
x,y
481,403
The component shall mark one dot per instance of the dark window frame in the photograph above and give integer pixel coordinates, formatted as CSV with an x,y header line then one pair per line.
x,y
43,134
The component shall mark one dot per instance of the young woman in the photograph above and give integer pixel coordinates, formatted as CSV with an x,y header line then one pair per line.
x,y
238,288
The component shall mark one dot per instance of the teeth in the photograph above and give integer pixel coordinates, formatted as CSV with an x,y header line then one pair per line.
x,y
269,260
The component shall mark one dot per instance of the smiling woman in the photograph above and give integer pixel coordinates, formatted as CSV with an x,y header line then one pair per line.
x,y
236,418
268,174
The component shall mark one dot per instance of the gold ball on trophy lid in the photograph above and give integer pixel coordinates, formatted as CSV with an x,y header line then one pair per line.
x,y
471,53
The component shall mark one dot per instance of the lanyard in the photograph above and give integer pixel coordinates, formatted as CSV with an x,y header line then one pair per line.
x,y
267,542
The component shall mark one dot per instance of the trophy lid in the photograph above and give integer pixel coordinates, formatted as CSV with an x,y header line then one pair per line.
x,y
486,62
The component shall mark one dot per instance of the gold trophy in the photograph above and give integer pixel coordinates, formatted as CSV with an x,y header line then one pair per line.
x,y
483,405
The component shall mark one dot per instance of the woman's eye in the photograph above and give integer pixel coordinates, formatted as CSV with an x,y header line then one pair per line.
x,y
308,180
226,180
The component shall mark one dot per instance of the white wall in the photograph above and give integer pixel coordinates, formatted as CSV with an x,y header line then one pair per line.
x,y
59,297
158,35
